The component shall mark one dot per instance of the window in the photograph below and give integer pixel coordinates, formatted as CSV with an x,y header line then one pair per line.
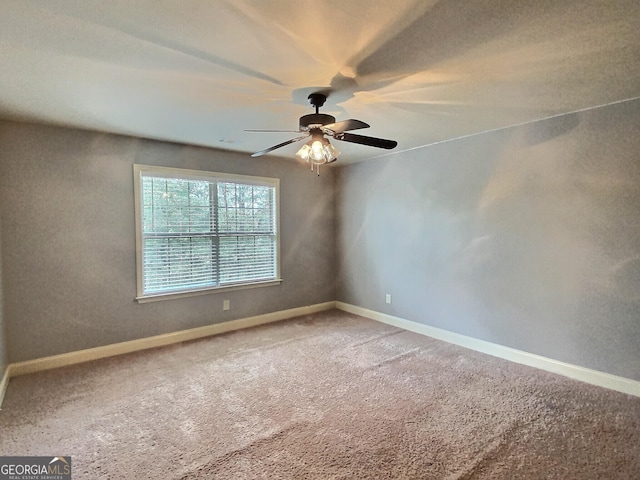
x,y
198,231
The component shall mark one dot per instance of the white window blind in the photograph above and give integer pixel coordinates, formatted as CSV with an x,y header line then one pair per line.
x,y
199,230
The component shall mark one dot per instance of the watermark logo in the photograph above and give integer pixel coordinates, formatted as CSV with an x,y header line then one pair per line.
x,y
35,468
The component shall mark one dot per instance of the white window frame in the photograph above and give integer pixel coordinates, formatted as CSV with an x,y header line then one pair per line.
x,y
139,171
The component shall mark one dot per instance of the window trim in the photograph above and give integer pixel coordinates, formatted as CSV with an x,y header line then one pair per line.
x,y
171,172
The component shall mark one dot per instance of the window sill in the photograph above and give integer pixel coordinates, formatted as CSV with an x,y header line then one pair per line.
x,y
192,293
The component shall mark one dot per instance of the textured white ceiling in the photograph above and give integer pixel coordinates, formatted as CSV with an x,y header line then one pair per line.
x,y
419,72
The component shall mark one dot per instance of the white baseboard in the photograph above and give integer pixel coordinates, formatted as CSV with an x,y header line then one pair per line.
x,y
575,372
80,356
594,377
4,383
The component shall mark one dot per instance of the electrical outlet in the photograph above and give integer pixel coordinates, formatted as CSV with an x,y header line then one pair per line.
x,y
388,298
226,304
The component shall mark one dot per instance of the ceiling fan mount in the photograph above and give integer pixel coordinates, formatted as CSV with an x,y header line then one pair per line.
x,y
316,125
316,119
317,99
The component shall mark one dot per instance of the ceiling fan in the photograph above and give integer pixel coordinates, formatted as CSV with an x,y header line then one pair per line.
x,y
318,150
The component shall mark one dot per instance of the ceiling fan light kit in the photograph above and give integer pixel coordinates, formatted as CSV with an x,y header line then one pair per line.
x,y
319,150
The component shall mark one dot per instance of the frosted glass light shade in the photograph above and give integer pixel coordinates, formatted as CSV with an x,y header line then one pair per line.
x,y
318,151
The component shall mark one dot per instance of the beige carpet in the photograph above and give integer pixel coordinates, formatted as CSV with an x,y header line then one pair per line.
x,y
327,396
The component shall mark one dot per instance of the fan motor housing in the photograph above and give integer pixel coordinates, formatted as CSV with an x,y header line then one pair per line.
x,y
316,119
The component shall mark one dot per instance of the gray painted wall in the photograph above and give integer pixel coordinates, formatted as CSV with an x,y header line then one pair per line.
x,y
3,351
528,237
68,240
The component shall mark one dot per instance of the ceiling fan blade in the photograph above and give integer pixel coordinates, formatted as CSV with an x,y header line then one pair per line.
x,y
370,141
343,126
270,149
